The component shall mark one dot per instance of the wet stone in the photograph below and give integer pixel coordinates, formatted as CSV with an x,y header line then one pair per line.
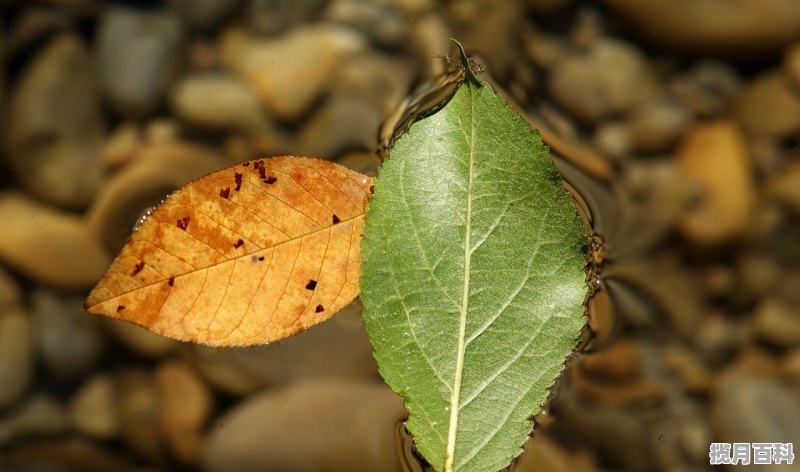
x,y
769,105
92,409
309,426
316,51
137,53
49,246
54,127
185,407
765,409
16,354
39,416
70,343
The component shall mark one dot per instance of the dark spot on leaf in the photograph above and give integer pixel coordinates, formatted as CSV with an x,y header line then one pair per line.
x,y
246,164
225,193
336,219
319,309
311,285
270,180
262,172
183,223
260,258
171,281
237,177
120,308
238,244
372,190
138,268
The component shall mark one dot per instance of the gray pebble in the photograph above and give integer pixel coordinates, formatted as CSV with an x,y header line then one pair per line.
x,y
137,53
54,128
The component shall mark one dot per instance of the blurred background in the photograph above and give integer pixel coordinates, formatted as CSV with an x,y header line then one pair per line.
x,y
675,124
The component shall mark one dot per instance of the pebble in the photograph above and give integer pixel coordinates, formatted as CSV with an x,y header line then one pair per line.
x,y
54,126
155,171
204,15
315,425
38,416
16,355
337,348
93,408
382,80
185,407
609,77
219,100
786,187
619,361
383,23
791,63
9,289
51,247
70,342
343,123
752,407
707,88
714,158
66,454
542,453
688,366
137,52
656,125
769,105
138,402
614,139
777,322
290,72
271,17
143,342
753,29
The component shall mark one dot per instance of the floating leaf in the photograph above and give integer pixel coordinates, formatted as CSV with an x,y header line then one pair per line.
x,y
473,281
246,255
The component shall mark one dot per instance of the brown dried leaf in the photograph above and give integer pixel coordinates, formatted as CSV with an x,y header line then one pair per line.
x,y
250,254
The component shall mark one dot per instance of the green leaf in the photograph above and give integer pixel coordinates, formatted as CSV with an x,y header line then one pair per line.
x,y
473,281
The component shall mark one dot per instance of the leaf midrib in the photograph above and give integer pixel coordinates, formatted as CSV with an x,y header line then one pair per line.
x,y
462,322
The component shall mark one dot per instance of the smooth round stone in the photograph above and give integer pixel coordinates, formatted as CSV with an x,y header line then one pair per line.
x,y
746,29
10,293
204,14
219,100
78,454
40,415
139,406
609,77
656,126
786,187
49,246
54,128
707,88
69,341
767,409
316,425
93,408
778,322
143,342
16,354
137,53
769,105
338,348
185,407
290,72
343,123
713,158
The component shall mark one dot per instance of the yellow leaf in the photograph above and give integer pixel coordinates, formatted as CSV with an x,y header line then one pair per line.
x,y
247,255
